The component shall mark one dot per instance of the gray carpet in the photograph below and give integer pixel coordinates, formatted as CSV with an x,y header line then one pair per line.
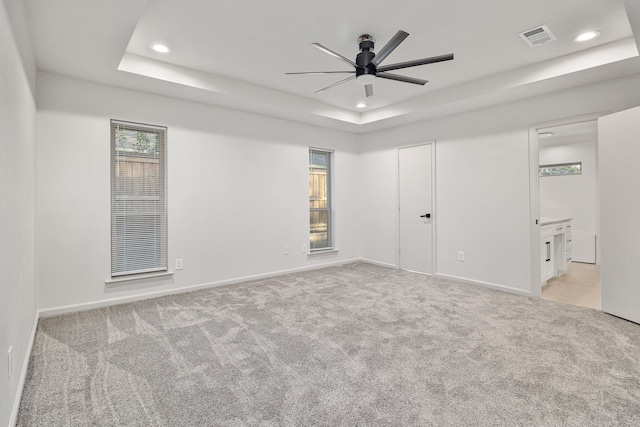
x,y
358,345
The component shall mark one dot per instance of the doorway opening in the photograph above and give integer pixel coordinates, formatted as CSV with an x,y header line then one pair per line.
x,y
566,211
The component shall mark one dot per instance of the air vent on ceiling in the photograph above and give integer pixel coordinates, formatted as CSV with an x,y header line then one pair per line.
x,y
538,36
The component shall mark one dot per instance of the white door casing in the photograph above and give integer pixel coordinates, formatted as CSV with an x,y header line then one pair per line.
x,y
415,202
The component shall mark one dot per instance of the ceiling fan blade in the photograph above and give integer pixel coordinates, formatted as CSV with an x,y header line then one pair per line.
x,y
402,78
389,47
334,54
324,72
415,63
335,84
368,90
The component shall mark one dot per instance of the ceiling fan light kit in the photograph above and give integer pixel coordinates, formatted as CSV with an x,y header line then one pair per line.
x,y
367,65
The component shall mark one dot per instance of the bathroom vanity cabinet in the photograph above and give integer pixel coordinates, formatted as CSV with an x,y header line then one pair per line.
x,y
555,247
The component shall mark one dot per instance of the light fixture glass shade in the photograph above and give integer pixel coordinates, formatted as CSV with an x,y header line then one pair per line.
x,y
365,79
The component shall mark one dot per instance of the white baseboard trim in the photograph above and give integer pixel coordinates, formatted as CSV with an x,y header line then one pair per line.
x,y
56,311
494,286
381,264
73,308
23,372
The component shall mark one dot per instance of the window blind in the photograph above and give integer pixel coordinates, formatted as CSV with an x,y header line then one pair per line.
x,y
320,235
138,198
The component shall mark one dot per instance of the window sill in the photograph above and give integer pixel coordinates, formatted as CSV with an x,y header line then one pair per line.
x,y
117,281
323,252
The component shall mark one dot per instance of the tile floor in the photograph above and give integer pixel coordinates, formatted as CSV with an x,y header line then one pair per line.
x,y
580,285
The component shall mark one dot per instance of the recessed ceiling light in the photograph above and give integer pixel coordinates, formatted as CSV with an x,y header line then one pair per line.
x,y
361,105
545,134
586,36
160,48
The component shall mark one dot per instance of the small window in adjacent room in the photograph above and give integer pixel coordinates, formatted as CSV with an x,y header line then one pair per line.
x,y
138,199
561,169
320,215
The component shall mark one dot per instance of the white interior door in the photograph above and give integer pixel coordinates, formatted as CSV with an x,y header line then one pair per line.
x,y
619,155
415,199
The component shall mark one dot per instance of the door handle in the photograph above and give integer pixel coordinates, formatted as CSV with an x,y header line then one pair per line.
x,y
548,252
427,215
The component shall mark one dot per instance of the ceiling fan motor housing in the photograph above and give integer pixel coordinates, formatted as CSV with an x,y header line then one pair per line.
x,y
366,55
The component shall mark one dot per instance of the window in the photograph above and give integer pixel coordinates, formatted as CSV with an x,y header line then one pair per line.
x,y
138,199
320,227
561,169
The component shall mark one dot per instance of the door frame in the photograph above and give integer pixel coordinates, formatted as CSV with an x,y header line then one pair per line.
x,y
534,189
434,216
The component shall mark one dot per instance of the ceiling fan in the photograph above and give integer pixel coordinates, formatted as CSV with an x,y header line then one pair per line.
x,y
367,65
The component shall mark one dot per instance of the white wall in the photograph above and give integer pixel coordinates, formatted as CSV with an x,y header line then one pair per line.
x,y
479,207
572,196
17,209
482,182
237,190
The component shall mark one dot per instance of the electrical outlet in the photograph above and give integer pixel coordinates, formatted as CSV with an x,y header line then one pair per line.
x,y
286,250
304,248
461,256
178,263
10,362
